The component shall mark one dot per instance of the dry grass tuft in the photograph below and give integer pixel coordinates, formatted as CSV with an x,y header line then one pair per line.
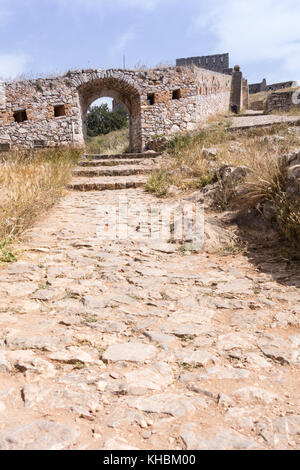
x,y
295,111
30,183
114,142
187,166
261,96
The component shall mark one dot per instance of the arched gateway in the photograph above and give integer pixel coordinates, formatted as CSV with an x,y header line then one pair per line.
x,y
123,91
163,101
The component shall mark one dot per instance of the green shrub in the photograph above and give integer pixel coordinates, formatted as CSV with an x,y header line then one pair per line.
x,y
100,120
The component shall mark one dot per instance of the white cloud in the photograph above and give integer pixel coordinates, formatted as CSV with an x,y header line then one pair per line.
x,y
12,65
121,43
255,32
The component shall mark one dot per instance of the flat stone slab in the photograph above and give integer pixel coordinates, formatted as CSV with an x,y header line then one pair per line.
x,y
39,435
254,395
165,341
151,272
225,439
184,330
132,352
45,343
200,358
163,247
236,286
78,400
232,341
288,426
72,355
5,365
45,295
27,361
168,403
279,349
219,373
152,378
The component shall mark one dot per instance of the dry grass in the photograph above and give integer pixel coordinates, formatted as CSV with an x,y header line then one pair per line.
x,y
30,183
286,90
262,96
114,142
267,183
295,111
188,167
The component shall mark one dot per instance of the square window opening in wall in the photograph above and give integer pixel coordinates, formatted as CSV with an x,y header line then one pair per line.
x,y
20,116
151,99
4,147
39,144
59,110
176,94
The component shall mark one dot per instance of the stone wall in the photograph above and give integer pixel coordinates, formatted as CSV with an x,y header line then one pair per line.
x,y
38,98
2,95
283,100
259,87
257,105
281,86
216,63
208,95
53,111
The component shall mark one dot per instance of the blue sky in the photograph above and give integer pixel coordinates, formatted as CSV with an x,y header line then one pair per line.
x,y
52,36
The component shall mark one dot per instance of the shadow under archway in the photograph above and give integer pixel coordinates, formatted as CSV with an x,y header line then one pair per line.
x,y
121,91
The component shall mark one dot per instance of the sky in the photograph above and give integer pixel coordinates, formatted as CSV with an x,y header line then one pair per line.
x,y
45,37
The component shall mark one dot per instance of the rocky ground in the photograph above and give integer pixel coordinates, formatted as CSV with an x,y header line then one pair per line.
x,y
123,344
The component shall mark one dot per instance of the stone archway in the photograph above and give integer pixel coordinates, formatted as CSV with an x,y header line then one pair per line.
x,y
121,90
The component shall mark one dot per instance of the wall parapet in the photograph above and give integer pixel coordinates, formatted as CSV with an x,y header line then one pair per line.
x,y
216,62
260,87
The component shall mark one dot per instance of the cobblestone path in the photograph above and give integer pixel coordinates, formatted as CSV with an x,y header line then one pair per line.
x,y
137,345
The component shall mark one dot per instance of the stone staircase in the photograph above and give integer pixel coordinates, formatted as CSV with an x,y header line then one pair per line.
x,y
102,172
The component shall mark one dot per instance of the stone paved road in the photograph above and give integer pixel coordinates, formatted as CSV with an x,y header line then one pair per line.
x,y
260,120
121,345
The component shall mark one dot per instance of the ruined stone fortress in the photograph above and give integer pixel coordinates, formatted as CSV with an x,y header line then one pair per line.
x,y
163,101
160,102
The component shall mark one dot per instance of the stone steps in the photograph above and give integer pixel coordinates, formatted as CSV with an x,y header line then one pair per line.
x,y
122,156
112,171
125,161
107,183
109,172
